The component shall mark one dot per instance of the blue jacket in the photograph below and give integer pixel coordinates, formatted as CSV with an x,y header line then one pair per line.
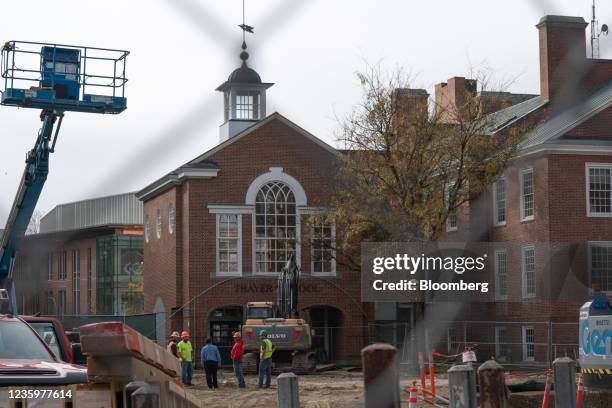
x,y
210,352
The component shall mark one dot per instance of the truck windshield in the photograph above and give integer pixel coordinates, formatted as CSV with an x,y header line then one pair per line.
x,y
18,342
47,333
259,313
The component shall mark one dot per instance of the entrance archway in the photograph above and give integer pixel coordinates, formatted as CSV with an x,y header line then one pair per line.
x,y
223,322
326,321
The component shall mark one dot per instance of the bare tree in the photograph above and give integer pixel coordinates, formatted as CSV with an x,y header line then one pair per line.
x,y
34,225
406,169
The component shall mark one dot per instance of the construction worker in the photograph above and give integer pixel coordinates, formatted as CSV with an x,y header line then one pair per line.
x,y
211,360
236,355
185,351
265,359
172,344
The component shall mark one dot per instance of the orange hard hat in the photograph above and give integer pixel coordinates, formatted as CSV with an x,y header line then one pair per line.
x,y
185,334
237,335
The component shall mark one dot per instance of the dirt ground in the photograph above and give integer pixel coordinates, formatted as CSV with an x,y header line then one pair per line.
x,y
331,389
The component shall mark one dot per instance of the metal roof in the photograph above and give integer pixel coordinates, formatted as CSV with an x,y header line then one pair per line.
x,y
508,116
555,127
122,209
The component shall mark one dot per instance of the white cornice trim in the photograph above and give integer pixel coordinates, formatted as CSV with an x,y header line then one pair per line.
x,y
230,209
172,180
594,150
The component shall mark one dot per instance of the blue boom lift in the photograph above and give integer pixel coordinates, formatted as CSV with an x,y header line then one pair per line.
x,y
54,78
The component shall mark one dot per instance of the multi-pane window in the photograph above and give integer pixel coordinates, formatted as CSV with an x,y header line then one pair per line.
x,y
228,244
501,275
89,282
452,341
76,281
527,194
61,266
61,303
147,229
599,190
499,202
244,107
528,343
502,345
50,266
171,219
600,265
158,223
322,250
275,226
451,219
529,271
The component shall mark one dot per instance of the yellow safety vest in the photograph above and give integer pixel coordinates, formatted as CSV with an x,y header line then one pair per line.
x,y
185,351
266,350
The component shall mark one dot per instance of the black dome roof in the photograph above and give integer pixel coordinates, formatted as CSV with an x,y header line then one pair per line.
x,y
244,75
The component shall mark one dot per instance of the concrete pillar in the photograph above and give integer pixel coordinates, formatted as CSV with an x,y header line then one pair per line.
x,y
565,382
462,387
493,393
288,391
380,376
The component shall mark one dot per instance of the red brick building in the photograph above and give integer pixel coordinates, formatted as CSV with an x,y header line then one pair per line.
x,y
550,211
219,228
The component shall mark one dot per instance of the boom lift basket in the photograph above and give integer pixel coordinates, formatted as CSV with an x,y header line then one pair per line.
x,y
63,77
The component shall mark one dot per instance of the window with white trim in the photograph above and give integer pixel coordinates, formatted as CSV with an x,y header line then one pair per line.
x,y
452,340
323,241
229,244
599,190
501,275
158,223
244,107
171,219
76,282
50,266
527,194
61,303
61,265
499,202
275,226
528,267
528,343
502,346
147,229
600,265
451,219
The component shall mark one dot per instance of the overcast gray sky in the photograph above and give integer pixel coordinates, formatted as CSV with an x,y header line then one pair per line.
x,y
181,50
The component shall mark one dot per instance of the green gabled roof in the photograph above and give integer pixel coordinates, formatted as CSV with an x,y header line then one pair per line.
x,y
506,117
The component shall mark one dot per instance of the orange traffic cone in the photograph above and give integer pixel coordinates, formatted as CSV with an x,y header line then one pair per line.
x,y
546,400
579,391
412,401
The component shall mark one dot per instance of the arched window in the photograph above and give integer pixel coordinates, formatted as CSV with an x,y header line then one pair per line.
x,y
275,226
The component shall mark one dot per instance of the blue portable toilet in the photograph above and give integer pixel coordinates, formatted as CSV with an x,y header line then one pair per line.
x,y
61,69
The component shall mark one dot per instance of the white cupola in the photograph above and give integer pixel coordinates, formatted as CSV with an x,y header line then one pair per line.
x,y
244,99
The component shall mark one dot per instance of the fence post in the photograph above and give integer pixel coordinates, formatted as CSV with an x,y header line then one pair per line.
x,y
380,376
493,393
288,391
462,387
565,382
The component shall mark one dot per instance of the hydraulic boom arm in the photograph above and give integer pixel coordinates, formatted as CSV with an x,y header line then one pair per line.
x,y
30,187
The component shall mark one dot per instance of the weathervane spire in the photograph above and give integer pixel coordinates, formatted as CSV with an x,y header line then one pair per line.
x,y
245,29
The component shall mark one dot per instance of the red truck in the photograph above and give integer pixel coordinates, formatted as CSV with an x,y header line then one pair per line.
x,y
52,332
25,359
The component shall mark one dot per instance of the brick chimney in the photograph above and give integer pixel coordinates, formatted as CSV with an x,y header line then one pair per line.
x,y
562,54
450,95
413,101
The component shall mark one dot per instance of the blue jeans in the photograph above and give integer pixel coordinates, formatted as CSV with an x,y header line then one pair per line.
x,y
265,369
187,372
239,373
